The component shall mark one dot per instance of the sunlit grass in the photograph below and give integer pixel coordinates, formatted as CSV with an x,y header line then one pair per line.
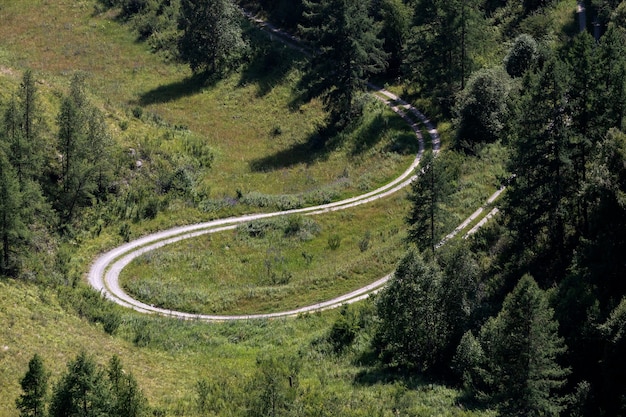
x,y
273,268
261,139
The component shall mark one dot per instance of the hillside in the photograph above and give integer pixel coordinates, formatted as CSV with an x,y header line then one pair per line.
x,y
118,123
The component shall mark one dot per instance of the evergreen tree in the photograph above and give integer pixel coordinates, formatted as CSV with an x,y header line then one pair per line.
x,y
538,204
521,347
31,403
32,154
441,48
612,388
428,193
348,50
128,399
85,147
83,391
12,228
22,128
396,18
212,41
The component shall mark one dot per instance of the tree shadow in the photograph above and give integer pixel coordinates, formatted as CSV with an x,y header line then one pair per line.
x,y
371,133
378,374
268,67
184,88
270,61
317,148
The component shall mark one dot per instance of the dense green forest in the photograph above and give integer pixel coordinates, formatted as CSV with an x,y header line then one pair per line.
x,y
526,317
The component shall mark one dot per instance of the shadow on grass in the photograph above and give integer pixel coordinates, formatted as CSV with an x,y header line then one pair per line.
x,y
179,89
374,372
375,129
316,148
268,67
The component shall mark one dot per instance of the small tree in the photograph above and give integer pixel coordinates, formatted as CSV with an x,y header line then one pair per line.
x,y
85,147
428,193
523,55
32,402
11,225
481,108
128,399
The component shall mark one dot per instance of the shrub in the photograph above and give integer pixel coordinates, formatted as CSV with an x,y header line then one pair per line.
x,y
334,241
364,243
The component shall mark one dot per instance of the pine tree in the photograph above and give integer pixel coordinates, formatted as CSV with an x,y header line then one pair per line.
x,y
31,403
12,228
22,128
212,41
82,391
538,204
441,49
85,147
428,193
521,348
348,50
128,399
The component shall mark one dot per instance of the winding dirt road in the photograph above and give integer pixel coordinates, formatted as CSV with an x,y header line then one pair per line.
x,y
104,273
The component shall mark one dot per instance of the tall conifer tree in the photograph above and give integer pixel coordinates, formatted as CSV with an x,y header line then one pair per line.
x,y
348,51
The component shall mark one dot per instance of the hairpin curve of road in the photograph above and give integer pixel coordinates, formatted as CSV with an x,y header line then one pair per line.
x,y
104,273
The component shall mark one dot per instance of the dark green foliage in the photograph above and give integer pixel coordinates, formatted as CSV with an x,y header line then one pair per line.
x,y
516,363
442,45
87,390
286,14
344,329
127,398
613,332
211,40
537,203
82,391
413,331
427,308
348,51
532,5
396,19
22,127
523,55
482,108
12,228
85,147
429,192
32,402
461,292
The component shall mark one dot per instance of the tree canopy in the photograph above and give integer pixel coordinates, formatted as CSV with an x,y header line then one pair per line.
x,y
212,40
